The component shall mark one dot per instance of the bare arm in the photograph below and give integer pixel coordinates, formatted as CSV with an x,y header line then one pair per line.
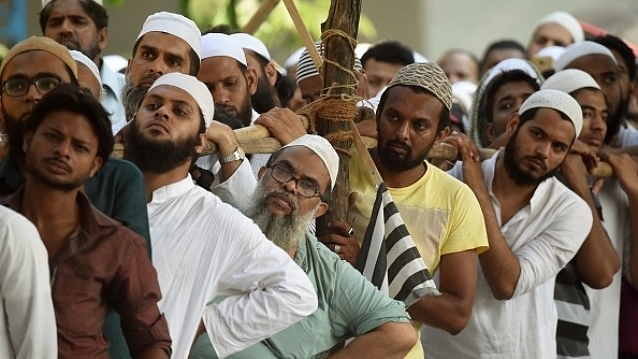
x,y
626,172
451,310
596,261
387,341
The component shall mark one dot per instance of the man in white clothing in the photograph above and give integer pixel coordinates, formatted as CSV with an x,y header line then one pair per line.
x,y
202,247
27,320
535,225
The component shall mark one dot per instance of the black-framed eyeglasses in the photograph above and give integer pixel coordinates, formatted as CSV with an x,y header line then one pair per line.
x,y
307,188
18,86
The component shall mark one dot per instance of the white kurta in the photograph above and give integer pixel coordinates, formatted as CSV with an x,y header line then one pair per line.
x,y
27,319
203,248
544,236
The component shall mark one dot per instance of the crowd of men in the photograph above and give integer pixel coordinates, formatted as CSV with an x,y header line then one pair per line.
x,y
174,253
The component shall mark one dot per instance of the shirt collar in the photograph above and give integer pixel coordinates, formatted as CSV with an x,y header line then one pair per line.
x,y
173,190
301,257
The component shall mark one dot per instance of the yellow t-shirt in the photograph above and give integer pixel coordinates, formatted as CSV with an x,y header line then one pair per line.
x,y
440,212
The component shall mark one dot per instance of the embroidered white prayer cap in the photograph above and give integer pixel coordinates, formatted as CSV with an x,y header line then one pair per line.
x,y
176,25
322,148
198,91
557,100
570,80
218,44
580,49
83,59
45,2
567,21
249,42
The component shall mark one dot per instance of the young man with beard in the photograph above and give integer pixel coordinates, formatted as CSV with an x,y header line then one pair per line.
x,y
95,262
440,213
291,193
258,58
535,225
167,43
32,68
202,247
82,25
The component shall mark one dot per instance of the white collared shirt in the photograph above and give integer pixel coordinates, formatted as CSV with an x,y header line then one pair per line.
x,y
544,236
203,248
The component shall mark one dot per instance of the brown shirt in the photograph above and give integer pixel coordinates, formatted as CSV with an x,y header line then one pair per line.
x,y
103,264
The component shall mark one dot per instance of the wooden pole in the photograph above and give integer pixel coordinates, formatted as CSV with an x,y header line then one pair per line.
x,y
303,33
338,33
260,16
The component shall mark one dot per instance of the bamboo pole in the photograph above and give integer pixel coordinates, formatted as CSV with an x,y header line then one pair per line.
x,y
303,33
260,16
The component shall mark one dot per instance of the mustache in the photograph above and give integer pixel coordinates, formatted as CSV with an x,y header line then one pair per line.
x,y
59,162
401,144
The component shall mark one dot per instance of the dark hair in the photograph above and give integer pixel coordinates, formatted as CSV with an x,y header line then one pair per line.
x,y
444,116
96,12
285,87
615,43
392,52
194,58
484,109
69,97
503,45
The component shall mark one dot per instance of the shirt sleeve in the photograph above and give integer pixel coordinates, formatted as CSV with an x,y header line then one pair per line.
x,y
237,189
264,287
134,294
542,257
358,306
25,289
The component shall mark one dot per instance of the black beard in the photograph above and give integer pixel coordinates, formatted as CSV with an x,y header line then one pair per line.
x,y
511,167
244,112
157,156
132,97
72,43
262,101
286,231
395,163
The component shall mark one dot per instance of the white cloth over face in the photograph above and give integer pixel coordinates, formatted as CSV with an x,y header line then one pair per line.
x,y
204,248
27,319
544,236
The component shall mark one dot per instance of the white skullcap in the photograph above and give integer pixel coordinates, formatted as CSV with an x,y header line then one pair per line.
x,y
293,59
176,25
306,68
198,91
45,2
322,148
508,65
419,58
557,100
463,94
249,42
80,57
218,44
567,21
551,51
580,49
570,80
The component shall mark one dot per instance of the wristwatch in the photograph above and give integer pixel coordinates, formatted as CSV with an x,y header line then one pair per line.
x,y
237,155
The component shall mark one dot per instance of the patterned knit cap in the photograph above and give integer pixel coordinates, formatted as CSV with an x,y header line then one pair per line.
x,y
428,76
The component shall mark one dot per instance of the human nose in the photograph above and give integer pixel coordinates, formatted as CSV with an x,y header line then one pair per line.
x,y
63,148
403,131
542,149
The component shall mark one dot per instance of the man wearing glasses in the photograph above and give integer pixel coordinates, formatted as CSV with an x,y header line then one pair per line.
x,y
31,69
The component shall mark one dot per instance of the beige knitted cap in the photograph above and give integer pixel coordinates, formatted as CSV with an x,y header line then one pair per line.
x,y
428,76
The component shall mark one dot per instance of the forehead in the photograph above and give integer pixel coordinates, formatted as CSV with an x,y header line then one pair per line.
x,y
589,96
170,93
553,31
513,87
35,62
219,67
165,42
311,85
411,103
75,124
553,124
66,8
593,64
306,163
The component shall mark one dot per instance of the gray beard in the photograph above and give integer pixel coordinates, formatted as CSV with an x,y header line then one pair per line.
x,y
132,97
286,231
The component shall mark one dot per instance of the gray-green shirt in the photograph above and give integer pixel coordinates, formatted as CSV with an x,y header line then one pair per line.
x,y
349,305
